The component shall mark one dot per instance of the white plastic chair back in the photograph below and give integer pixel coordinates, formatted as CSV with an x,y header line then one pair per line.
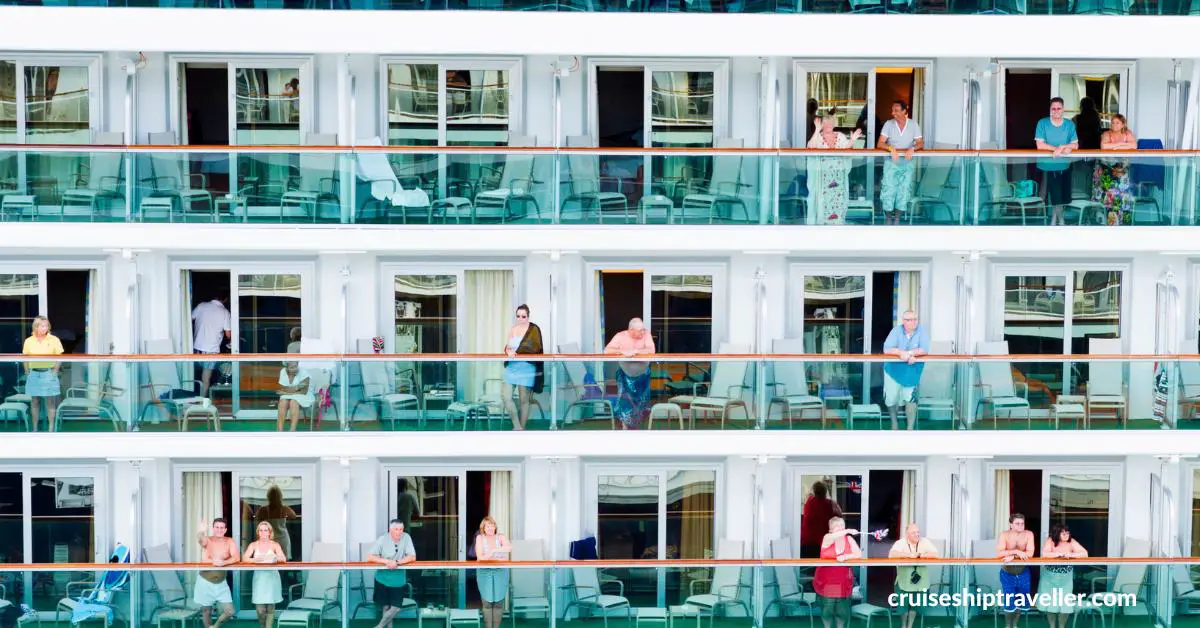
x,y
1106,377
996,374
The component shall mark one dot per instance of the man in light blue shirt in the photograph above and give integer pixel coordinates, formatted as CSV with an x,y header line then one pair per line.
x,y
900,135
907,341
1056,134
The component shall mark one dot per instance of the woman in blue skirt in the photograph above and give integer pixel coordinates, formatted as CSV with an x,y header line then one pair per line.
x,y
525,338
491,546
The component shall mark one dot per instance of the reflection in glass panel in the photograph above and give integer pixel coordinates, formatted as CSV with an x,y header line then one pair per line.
x,y
57,111
18,306
627,513
477,107
1034,323
690,514
840,94
835,322
844,491
1103,89
681,116
12,549
681,313
412,116
1096,313
276,501
426,321
267,105
1082,503
431,506
268,321
63,518
1193,513
8,127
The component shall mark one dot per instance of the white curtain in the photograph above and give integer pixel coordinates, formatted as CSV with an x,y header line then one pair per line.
x,y
908,293
489,305
500,506
917,106
1003,495
185,343
201,502
908,501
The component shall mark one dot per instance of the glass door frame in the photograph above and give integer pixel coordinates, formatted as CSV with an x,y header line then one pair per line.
x,y
996,298
1127,70
101,515
99,335
1116,498
1188,469
592,268
309,310
796,491
93,63
794,295
591,493
513,65
389,473
801,131
308,532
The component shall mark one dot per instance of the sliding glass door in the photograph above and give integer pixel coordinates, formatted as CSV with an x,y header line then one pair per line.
x,y
1080,497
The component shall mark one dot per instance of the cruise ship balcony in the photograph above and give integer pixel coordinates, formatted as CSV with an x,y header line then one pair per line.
x,y
576,186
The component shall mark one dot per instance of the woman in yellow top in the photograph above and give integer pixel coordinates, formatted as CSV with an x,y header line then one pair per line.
x,y
41,378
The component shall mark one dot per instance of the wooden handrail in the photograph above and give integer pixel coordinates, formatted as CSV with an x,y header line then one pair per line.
x,y
645,564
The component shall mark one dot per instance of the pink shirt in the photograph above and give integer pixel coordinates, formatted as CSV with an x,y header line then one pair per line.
x,y
624,341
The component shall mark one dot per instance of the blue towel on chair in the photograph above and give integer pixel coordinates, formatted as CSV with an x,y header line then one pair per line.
x,y
89,609
584,549
1148,169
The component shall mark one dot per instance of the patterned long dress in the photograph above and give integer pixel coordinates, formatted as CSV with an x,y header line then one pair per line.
x,y
832,190
1112,189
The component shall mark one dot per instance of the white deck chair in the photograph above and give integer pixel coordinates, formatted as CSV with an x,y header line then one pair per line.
x,y
935,393
1106,388
724,187
529,589
94,400
387,191
318,180
167,179
788,385
174,602
1003,196
726,390
104,176
587,398
986,576
585,183
998,391
935,182
1185,595
725,588
379,390
517,185
321,590
366,586
163,378
586,594
1129,578
790,591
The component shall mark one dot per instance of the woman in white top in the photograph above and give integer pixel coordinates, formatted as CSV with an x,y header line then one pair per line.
x,y
267,590
294,394
830,187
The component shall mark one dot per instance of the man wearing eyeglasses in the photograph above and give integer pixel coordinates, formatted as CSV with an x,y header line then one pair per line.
x,y
1056,134
907,341
911,579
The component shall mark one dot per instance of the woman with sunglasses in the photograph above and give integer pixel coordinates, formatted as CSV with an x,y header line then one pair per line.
x,y
524,338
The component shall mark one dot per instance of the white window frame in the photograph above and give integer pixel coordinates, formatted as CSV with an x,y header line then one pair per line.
x,y
516,88
388,270
1128,70
719,271
101,515
801,131
308,100
591,493
310,532
1116,496
995,296
1184,507
100,323
721,95
94,64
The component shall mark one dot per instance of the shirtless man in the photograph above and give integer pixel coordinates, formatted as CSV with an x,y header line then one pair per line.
x,y
1015,543
211,587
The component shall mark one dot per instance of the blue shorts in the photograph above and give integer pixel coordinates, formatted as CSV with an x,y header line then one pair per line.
x,y
1015,588
208,366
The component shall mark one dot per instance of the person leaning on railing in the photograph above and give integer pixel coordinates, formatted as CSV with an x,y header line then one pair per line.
x,y
1111,182
391,550
899,135
41,378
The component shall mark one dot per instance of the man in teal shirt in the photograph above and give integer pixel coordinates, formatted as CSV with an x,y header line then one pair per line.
x,y
391,550
1057,135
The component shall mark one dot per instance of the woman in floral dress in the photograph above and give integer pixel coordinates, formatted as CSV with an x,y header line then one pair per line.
x,y
1110,183
831,190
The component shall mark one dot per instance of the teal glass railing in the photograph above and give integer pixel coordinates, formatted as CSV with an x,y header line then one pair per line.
x,y
538,594
935,7
532,186
585,393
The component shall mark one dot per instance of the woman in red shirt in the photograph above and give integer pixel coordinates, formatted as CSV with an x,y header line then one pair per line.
x,y
834,585
814,520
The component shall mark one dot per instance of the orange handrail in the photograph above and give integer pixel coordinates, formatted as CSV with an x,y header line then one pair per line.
x,y
551,357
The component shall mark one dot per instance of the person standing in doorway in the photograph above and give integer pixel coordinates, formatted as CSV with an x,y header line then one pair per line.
x,y
41,378
907,341
1057,135
1059,546
901,137
266,587
212,587
491,546
212,326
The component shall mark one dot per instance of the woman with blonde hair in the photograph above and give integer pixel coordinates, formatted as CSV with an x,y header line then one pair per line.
x,y
1111,186
491,546
277,514
834,585
267,590
41,378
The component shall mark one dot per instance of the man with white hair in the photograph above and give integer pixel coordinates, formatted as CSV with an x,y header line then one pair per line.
x,y
633,378
907,341
911,579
